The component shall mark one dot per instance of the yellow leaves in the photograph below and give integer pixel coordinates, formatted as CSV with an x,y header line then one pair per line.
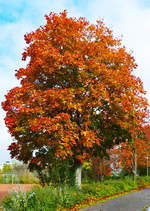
x,y
19,129
89,139
87,165
84,133
76,106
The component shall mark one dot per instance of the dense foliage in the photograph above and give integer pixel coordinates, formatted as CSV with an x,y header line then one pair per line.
x,y
78,95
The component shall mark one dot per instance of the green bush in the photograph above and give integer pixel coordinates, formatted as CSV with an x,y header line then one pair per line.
x,y
43,198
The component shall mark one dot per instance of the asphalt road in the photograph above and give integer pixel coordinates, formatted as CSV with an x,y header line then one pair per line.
x,y
134,201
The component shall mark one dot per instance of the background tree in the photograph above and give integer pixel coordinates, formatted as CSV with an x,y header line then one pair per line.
x,y
125,157
102,167
77,97
7,168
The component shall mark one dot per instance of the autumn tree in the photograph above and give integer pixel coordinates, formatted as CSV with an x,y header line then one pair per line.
x,y
102,166
144,160
77,96
123,155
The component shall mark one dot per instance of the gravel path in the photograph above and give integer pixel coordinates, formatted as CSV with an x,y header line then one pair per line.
x,y
134,201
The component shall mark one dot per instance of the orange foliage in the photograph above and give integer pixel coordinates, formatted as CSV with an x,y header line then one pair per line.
x,y
78,77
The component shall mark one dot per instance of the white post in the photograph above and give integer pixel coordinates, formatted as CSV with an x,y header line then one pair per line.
x,y
147,164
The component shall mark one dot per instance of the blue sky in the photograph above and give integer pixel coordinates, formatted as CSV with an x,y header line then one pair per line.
x,y
128,19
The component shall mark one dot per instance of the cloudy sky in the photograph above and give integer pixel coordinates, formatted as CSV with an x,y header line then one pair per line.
x,y
128,19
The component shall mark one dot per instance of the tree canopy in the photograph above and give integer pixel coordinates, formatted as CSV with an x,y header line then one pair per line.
x,y
78,94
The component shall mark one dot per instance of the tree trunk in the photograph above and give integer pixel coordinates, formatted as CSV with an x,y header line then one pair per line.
x,y
135,164
78,174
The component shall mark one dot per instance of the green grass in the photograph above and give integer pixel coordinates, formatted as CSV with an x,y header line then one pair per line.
x,y
58,198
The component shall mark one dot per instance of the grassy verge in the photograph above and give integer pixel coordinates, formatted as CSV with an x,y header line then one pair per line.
x,y
71,198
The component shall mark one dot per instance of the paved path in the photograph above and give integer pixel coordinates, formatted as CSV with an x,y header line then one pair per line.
x,y
134,201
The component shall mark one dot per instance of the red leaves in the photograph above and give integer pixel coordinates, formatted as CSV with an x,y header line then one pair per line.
x,y
10,122
36,160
